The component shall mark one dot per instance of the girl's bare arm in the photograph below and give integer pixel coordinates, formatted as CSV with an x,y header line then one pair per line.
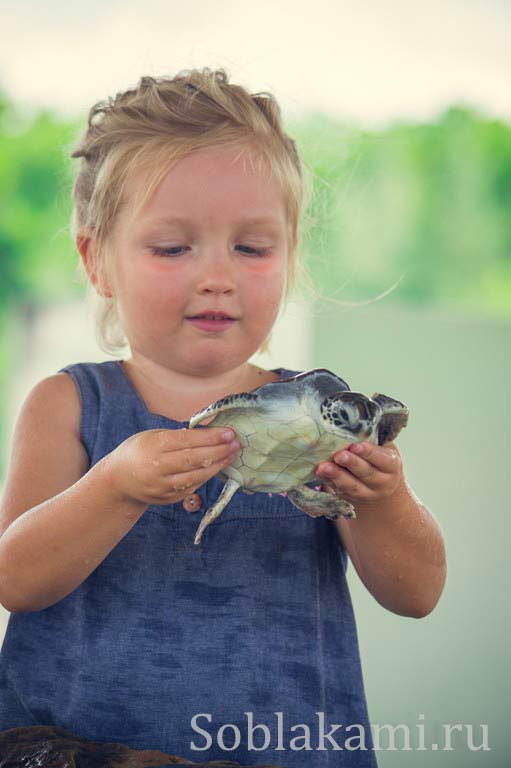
x,y
394,542
58,518
398,551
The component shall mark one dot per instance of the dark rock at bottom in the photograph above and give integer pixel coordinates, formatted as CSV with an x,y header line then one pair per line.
x,y
45,746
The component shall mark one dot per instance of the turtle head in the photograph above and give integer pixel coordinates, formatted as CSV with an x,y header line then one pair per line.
x,y
351,414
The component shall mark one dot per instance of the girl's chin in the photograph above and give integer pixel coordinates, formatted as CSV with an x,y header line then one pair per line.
x,y
220,357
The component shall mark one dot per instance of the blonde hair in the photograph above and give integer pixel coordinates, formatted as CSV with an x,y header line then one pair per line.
x,y
150,128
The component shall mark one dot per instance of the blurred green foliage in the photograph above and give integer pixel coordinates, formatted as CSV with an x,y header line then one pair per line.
x,y
37,262
430,203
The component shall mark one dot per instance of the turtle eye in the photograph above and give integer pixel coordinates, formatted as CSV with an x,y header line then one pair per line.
x,y
348,414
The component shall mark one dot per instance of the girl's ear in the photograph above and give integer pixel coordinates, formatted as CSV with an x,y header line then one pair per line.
x,y
87,247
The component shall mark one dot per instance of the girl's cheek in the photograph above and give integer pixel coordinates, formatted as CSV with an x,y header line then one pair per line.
x,y
266,277
158,276
266,266
163,266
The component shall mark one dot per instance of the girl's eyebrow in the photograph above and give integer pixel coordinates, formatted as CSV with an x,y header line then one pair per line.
x,y
272,221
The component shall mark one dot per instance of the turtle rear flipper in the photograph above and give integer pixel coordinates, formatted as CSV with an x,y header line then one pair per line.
x,y
319,503
228,492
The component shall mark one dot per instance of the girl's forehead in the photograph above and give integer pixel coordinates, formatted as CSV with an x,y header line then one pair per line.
x,y
216,182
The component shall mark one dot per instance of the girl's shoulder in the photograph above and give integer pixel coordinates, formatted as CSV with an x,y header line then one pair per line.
x,y
52,401
46,447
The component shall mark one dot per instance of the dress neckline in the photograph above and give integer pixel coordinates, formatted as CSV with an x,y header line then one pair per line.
x,y
143,404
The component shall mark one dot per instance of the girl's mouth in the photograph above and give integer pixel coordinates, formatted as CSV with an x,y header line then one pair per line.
x,y
212,322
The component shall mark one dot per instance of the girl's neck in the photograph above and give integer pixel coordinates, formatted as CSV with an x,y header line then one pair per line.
x,y
177,396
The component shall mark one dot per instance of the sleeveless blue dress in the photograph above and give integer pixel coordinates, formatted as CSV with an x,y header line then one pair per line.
x,y
166,642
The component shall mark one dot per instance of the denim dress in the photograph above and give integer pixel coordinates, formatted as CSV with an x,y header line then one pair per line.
x,y
241,648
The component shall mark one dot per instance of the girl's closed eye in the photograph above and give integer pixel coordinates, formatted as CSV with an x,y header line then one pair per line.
x,y
177,250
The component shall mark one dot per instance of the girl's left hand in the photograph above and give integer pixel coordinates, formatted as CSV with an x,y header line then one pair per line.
x,y
363,472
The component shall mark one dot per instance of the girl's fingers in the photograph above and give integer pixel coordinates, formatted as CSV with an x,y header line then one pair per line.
x,y
345,485
384,458
358,467
372,464
372,473
353,468
184,481
179,439
351,473
190,459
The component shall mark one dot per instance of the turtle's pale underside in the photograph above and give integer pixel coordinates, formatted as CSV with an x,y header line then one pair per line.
x,y
286,428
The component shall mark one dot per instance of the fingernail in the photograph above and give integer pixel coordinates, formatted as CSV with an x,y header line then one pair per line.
x,y
357,448
343,457
228,435
235,445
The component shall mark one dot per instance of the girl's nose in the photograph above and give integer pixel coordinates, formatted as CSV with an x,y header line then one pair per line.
x,y
216,273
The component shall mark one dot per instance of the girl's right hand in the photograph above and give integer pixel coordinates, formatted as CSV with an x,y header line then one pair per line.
x,y
163,466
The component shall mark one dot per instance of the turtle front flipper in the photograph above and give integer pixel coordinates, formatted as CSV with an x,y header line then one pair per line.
x,y
228,492
230,403
394,417
319,503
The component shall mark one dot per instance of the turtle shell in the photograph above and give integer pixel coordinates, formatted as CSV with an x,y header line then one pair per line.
x,y
286,428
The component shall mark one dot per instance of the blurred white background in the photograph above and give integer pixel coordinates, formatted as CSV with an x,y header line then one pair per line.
x,y
370,61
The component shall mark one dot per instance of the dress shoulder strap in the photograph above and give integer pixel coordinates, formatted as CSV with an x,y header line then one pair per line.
x,y
105,402
88,381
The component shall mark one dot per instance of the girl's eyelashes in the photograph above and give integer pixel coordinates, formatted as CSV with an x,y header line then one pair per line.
x,y
255,251
165,251
177,250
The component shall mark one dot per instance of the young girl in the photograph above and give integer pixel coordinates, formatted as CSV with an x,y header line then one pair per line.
x,y
187,211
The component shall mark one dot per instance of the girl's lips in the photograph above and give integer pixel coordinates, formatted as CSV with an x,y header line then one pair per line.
x,y
207,324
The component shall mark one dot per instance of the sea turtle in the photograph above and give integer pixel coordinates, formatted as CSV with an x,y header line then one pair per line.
x,y
286,428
